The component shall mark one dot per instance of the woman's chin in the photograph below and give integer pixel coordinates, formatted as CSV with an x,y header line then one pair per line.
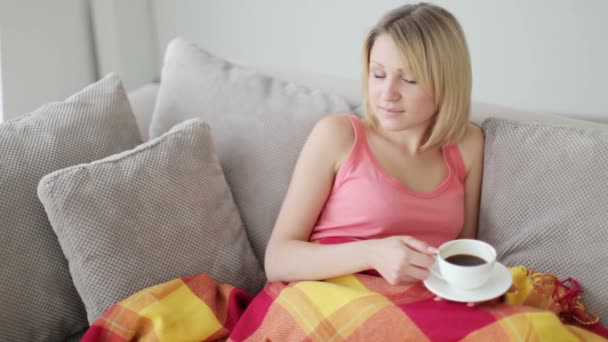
x,y
392,122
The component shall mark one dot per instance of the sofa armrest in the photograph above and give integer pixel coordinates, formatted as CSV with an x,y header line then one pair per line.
x,y
143,100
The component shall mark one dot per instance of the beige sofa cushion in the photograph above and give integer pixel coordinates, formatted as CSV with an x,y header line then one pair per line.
x,y
142,102
148,215
259,125
481,111
543,201
37,296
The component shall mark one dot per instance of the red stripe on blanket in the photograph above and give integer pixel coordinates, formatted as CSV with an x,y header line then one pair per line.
x,y
599,329
255,314
239,301
446,320
96,333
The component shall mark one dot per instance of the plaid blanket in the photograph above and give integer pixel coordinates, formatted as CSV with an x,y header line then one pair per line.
x,y
185,309
357,307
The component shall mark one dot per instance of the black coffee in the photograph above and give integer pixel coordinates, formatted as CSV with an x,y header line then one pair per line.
x,y
465,260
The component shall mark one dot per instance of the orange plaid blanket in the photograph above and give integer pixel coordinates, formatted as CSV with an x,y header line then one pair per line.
x,y
354,307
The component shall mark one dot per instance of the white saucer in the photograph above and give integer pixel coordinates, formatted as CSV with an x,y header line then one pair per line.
x,y
499,282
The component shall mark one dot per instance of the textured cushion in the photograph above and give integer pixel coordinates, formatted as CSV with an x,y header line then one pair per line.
x,y
160,211
259,125
76,337
38,300
544,202
142,102
481,111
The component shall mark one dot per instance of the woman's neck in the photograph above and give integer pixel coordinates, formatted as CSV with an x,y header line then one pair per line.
x,y
409,140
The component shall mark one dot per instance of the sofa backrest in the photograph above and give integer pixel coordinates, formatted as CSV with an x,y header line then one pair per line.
x,y
143,100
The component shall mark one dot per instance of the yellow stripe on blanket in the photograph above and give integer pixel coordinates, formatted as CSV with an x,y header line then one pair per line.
x,y
349,281
548,327
317,305
524,285
181,316
329,296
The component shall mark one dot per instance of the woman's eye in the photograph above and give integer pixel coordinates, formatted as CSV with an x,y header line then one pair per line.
x,y
408,81
378,75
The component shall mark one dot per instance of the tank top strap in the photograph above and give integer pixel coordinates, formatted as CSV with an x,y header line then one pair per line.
x,y
454,157
357,151
357,127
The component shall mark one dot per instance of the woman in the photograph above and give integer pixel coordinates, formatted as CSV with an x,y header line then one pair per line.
x,y
383,192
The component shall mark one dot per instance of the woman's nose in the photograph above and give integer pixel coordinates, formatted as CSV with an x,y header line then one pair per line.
x,y
391,90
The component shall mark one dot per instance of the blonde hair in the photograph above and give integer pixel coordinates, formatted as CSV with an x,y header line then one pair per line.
x,y
432,42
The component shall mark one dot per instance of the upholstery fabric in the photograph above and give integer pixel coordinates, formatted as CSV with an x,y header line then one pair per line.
x,y
142,217
259,125
39,301
543,202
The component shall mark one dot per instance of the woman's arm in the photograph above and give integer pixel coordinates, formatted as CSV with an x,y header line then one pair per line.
x,y
472,152
289,255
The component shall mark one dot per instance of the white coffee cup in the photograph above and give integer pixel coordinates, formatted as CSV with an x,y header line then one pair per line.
x,y
460,276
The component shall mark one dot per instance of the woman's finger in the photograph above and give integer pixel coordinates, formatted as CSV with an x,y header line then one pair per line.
x,y
421,260
418,245
418,273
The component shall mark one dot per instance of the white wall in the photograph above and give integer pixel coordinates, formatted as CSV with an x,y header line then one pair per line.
x,y
125,40
165,18
537,55
46,52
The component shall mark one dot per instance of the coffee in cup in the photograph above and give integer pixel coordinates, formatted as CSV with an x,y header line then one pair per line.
x,y
465,263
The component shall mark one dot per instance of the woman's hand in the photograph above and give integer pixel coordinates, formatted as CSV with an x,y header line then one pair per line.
x,y
402,259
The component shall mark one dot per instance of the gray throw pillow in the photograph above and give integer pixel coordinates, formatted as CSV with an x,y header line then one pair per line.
x,y
544,202
142,217
259,125
37,296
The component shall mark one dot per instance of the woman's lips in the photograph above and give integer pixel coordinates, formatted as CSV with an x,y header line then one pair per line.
x,y
392,111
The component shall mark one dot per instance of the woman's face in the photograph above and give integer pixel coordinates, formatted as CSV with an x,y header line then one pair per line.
x,y
396,98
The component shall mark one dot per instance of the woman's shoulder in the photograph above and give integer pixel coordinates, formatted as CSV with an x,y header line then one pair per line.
x,y
335,134
336,123
471,145
336,128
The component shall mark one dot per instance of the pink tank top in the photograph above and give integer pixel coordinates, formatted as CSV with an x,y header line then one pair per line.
x,y
367,202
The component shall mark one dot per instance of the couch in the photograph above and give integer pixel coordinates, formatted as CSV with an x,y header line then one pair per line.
x,y
106,193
